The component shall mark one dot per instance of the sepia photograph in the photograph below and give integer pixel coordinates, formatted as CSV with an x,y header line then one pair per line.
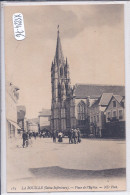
x,y
65,97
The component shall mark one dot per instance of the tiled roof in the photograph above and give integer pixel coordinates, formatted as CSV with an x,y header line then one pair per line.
x,y
105,98
84,90
96,102
118,98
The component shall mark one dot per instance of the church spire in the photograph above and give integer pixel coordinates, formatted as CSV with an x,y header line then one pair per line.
x,y
59,54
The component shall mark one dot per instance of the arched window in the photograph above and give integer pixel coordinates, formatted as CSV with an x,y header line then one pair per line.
x,y
65,71
81,113
59,91
66,87
61,71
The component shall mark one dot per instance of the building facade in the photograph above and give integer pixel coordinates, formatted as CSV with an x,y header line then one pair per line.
x,y
12,96
33,125
21,120
97,116
44,119
115,117
63,106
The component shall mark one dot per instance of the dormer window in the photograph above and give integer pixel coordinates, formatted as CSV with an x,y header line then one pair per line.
x,y
114,104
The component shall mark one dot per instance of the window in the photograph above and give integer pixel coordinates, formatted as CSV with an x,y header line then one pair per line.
x,y
12,131
109,115
114,104
59,91
120,114
65,71
114,114
81,113
66,86
61,71
122,103
94,118
91,119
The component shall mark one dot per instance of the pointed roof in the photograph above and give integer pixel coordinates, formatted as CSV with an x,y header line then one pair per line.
x,y
118,98
105,99
59,54
96,103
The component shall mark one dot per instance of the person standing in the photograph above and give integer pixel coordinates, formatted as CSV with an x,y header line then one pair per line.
x,y
60,135
35,135
54,136
75,136
79,135
27,141
24,136
69,136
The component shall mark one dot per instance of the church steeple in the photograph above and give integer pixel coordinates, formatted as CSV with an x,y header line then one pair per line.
x,y
62,108
59,54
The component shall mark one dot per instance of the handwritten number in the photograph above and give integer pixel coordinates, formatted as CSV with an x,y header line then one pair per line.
x,y
18,23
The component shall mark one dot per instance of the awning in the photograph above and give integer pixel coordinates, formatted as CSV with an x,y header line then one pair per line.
x,y
14,124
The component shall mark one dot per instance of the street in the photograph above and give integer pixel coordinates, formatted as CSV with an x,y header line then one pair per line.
x,y
93,161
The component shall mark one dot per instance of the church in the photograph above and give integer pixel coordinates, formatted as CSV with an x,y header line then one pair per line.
x,y
62,107
70,106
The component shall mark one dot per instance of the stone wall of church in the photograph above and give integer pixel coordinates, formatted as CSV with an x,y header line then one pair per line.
x,y
82,114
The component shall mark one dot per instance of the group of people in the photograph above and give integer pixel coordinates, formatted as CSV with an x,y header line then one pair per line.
x,y
74,136
27,138
57,134
44,134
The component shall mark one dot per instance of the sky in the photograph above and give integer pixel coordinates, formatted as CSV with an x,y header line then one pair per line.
x,y
92,38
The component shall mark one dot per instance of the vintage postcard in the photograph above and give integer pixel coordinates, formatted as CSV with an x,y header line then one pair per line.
x,y
65,97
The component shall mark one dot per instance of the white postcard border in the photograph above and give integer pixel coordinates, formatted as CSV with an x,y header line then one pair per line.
x,y
127,71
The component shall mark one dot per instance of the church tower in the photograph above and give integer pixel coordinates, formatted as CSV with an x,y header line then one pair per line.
x,y
62,107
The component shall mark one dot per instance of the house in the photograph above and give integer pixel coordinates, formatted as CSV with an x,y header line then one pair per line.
x,y
44,119
21,120
96,113
115,117
33,125
12,96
